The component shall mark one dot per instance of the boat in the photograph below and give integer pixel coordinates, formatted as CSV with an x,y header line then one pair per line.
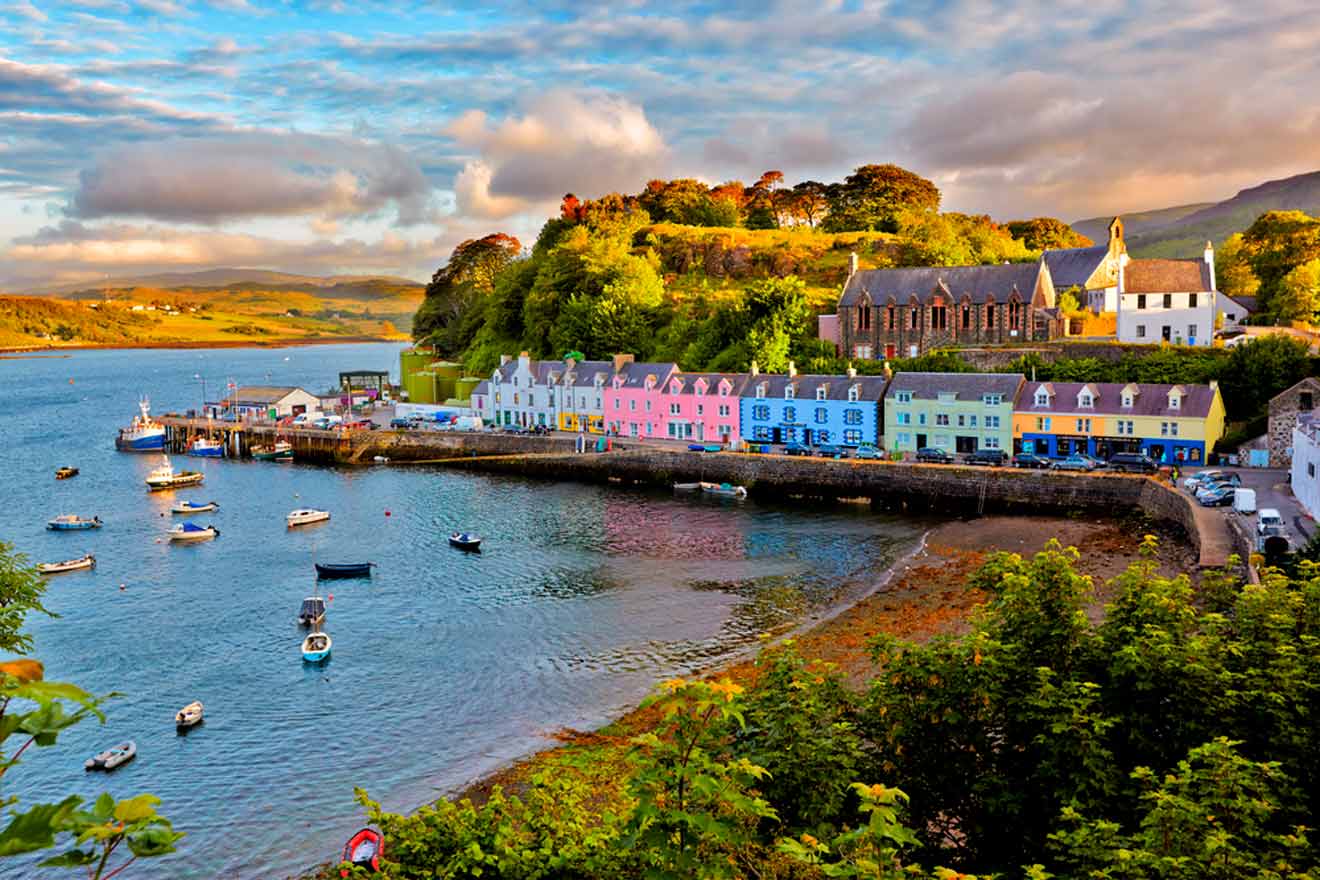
x,y
726,490
305,516
465,541
281,451
166,477
312,611
191,531
364,850
87,561
143,434
316,647
190,715
206,448
112,757
687,487
344,569
65,472
69,522
194,507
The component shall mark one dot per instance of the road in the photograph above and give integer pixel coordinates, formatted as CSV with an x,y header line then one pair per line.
x,y
1272,490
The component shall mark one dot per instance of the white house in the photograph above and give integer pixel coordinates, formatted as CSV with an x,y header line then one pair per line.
x,y
1305,479
521,392
261,401
1173,301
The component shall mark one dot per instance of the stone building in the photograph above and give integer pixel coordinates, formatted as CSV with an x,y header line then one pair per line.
x,y
1094,271
1285,407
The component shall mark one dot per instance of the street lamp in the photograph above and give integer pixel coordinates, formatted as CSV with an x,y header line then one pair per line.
x,y
202,379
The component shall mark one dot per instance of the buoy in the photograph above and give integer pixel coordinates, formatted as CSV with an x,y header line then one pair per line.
x,y
122,587
331,598
70,381
387,513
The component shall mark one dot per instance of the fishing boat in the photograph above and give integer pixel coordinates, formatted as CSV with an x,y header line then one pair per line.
x,y
191,532
687,487
194,507
166,477
87,561
143,434
281,451
727,490
305,516
189,716
465,541
65,472
364,850
316,647
344,569
70,522
312,611
112,757
204,447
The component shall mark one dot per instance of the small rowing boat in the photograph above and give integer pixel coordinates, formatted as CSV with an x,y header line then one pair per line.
x,y
65,472
194,507
88,561
112,757
186,532
69,522
312,611
344,569
316,647
189,716
726,490
166,477
281,451
364,850
687,487
306,516
465,541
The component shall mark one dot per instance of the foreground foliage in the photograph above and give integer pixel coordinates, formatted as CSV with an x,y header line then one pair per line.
x,y
1175,738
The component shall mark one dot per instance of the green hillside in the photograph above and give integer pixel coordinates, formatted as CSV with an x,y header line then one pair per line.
x,y
1138,222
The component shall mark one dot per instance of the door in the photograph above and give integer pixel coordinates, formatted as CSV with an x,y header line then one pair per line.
x,y
921,441
776,435
1165,333
965,444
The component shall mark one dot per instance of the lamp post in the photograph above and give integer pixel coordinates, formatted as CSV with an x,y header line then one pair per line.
x,y
202,379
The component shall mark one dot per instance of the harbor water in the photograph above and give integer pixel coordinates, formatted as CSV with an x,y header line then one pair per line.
x,y
446,665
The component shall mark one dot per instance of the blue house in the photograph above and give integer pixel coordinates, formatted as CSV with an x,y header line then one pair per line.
x,y
812,410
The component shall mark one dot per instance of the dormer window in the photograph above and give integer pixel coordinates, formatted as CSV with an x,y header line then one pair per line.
x,y
1042,398
724,389
760,392
1127,401
1175,400
821,392
852,394
1085,400
789,392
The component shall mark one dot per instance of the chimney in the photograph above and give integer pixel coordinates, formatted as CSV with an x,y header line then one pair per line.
x,y
792,370
852,264
1214,384
1210,261
756,371
852,372
505,359
621,361
888,371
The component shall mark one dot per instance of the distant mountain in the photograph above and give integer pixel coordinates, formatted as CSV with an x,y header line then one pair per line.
x,y
219,278
1183,231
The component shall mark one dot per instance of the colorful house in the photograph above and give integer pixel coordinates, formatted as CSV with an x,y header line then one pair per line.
x,y
955,412
632,399
1170,423
581,395
520,392
702,406
842,410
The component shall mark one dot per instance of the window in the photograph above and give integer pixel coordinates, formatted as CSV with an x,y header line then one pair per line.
x,y
966,318
790,414
823,436
820,392
761,412
903,397
1164,429
789,392
992,422
939,318
822,415
760,392
761,432
699,389
1043,424
990,443
915,319
889,317
648,429
852,394
1127,401
921,418
962,420
597,403
1085,400
632,406
942,419
1141,331
1305,400
1125,427
1015,315
902,438
726,431
971,420
1191,331
648,406
852,437
864,317
1173,429
1141,300
854,416
1191,302
1168,300
700,409
497,397
1310,469
724,410
1175,401
1042,398
989,316
862,352
724,390
1083,426
904,418
993,399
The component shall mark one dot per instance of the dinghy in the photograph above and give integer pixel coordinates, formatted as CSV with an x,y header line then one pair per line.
x,y
364,850
88,561
687,487
65,472
190,715
727,490
191,531
69,522
464,541
316,647
306,516
166,477
344,569
194,507
112,757
312,612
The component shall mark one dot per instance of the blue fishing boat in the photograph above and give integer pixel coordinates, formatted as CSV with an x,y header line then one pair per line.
x,y
72,523
144,434
204,448
316,647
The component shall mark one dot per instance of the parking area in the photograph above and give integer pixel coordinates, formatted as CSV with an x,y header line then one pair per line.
x,y
1272,490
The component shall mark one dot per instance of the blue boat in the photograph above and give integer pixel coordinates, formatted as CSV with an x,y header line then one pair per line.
x,y
144,434
72,523
204,448
316,647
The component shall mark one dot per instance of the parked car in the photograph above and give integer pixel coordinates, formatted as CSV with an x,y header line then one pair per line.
x,y
870,452
1219,497
400,423
1133,463
1205,477
796,449
1030,460
990,457
933,455
1096,463
829,450
1205,488
1073,463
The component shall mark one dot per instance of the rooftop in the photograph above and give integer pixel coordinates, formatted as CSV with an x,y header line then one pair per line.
x,y
1167,276
980,283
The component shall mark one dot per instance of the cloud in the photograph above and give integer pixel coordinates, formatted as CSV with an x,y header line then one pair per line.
x,y
253,174
564,142
24,9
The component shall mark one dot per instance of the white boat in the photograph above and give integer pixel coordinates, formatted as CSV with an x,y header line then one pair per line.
x,y
194,507
166,477
88,561
312,611
144,434
305,516
728,490
112,757
190,715
71,522
316,647
191,531
206,448
686,487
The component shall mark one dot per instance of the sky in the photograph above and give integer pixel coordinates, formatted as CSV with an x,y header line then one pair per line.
x,y
355,136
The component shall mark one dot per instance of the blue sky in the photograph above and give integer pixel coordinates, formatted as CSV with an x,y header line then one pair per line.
x,y
151,135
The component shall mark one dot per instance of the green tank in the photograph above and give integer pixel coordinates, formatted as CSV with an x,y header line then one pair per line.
x,y
421,387
464,387
411,360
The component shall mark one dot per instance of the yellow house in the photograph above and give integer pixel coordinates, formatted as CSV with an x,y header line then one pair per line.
x,y
1170,423
580,395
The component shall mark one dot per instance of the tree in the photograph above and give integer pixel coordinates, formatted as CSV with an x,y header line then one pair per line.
x,y
1298,295
881,198
1277,243
468,276
1041,233
1257,371
777,314
1233,273
809,202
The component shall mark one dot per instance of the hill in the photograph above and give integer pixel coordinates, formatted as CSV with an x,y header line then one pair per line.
x,y
215,278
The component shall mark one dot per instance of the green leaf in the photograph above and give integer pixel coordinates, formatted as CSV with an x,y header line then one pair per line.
x,y
36,828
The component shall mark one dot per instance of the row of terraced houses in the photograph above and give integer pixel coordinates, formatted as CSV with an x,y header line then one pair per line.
x,y
956,412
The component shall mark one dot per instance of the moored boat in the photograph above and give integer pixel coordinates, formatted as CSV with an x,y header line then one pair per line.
x,y
191,531
194,507
305,516
112,757
190,715
344,569
687,487
727,490
281,451
204,447
87,561
316,647
465,541
65,472
364,850
69,522
143,434
312,611
166,477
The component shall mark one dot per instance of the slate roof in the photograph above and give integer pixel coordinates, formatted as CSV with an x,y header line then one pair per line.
x,y
483,387
1247,302
964,386
634,374
265,393
1153,400
871,387
584,374
737,380
1074,266
1167,276
978,282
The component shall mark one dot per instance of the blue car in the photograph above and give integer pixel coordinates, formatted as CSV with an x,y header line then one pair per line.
x,y
796,449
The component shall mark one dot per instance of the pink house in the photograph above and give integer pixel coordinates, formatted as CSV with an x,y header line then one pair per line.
x,y
632,398
702,407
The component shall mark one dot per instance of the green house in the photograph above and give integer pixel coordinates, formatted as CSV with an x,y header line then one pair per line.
x,y
955,412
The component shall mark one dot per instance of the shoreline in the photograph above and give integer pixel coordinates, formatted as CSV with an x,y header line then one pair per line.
x,y
18,352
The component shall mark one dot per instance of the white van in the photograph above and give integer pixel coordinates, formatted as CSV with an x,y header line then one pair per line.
x,y
1244,500
1268,520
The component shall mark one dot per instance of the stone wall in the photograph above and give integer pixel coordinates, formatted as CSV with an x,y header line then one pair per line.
x,y
1284,408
